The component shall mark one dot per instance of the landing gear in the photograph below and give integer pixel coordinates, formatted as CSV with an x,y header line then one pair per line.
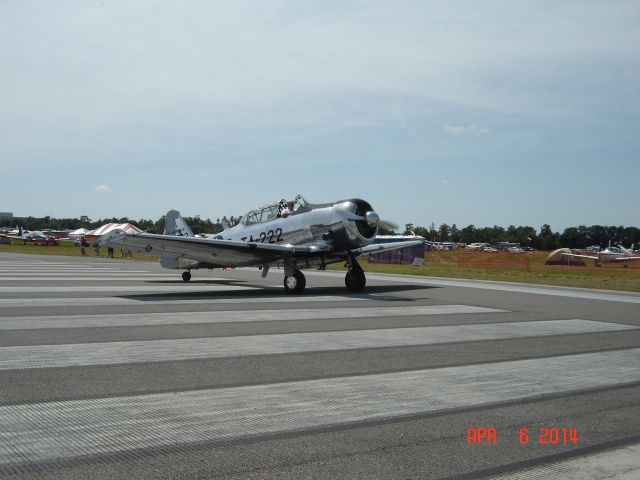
x,y
295,283
354,280
186,276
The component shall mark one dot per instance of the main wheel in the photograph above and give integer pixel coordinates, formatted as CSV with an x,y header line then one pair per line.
x,y
186,276
355,280
295,283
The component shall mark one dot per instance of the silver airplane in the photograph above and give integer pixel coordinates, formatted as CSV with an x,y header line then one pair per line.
x,y
26,235
311,236
608,255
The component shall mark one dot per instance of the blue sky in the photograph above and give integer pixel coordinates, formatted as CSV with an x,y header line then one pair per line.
x,y
465,112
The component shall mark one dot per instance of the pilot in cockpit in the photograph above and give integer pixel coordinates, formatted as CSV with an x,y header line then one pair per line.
x,y
288,210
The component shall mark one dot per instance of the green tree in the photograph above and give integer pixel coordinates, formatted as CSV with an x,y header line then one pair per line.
x,y
548,240
444,233
468,234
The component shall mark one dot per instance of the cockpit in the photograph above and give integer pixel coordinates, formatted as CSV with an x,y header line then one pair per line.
x,y
272,211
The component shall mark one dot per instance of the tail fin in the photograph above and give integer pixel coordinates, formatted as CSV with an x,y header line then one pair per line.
x,y
175,225
630,250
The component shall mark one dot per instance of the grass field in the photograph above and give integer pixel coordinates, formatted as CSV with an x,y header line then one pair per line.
x,y
523,268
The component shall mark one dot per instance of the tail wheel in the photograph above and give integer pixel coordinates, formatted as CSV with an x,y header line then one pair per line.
x,y
295,283
355,280
186,276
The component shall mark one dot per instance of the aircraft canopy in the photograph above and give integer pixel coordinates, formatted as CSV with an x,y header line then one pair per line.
x,y
271,211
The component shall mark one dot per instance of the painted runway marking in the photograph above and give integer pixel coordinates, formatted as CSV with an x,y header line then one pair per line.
x,y
101,278
58,430
618,464
52,269
179,300
496,286
128,320
127,288
68,273
110,353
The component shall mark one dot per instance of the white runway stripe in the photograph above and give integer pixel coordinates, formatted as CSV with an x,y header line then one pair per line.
x,y
624,297
180,288
109,353
54,268
128,320
48,431
62,271
111,301
68,273
4,264
102,278
618,464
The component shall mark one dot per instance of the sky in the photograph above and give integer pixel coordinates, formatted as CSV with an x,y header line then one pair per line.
x,y
462,112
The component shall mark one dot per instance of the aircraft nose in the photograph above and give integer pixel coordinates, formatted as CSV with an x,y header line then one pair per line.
x,y
372,218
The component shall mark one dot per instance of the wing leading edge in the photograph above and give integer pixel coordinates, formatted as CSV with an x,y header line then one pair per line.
x,y
233,253
383,247
211,251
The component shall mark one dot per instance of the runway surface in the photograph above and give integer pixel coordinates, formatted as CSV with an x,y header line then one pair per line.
x,y
118,369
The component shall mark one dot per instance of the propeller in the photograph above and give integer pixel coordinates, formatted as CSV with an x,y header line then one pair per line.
x,y
373,220
387,225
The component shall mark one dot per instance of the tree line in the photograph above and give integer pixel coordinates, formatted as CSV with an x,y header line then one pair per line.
x,y
197,224
543,239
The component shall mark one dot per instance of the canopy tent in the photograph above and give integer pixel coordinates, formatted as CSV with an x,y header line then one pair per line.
x,y
77,233
109,227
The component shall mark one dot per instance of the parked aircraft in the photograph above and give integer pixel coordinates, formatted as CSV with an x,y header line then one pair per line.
x,y
26,235
608,255
313,236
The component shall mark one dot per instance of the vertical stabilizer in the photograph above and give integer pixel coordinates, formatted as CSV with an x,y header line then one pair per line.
x,y
175,225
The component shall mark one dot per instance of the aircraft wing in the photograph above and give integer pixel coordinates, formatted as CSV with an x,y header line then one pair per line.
x,y
381,247
623,259
227,252
213,251
607,258
577,255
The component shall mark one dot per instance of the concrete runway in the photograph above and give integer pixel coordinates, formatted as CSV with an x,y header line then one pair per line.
x,y
118,369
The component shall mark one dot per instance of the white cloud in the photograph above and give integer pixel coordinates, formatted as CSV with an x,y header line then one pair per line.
x,y
466,130
444,181
102,189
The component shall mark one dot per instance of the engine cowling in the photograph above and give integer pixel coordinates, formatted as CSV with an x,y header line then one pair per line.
x,y
355,223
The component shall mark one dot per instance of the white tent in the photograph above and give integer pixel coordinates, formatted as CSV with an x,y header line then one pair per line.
x,y
77,233
127,227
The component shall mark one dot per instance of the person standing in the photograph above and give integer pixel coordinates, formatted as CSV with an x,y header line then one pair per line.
x,y
83,245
